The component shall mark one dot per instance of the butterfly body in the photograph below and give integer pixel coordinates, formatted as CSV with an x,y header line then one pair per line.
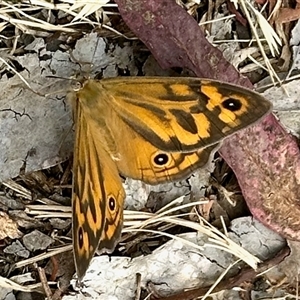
x,y
147,128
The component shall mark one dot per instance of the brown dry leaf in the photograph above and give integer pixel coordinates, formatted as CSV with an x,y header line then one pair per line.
x,y
288,14
175,39
267,170
8,227
283,27
261,2
237,14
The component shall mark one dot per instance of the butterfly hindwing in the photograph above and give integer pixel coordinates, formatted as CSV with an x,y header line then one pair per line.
x,y
148,163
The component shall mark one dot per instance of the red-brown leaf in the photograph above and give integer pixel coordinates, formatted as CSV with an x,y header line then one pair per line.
x,y
175,39
267,162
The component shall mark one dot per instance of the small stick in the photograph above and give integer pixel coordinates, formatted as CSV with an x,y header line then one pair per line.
x,y
44,281
138,286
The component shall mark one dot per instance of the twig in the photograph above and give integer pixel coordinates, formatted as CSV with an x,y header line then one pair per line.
x,y
44,281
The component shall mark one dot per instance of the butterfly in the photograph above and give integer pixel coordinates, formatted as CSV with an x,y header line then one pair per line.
x,y
148,128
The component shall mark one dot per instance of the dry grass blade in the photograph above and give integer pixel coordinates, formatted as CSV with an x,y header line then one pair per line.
x,y
3,25
216,237
172,236
49,211
30,21
216,20
138,222
222,275
271,36
269,33
236,40
42,256
9,284
14,71
86,8
78,9
23,192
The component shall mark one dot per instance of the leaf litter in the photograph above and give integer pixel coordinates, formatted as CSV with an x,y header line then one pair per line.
x,y
169,46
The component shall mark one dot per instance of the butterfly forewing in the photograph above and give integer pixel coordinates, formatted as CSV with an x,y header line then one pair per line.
x,y
98,194
184,114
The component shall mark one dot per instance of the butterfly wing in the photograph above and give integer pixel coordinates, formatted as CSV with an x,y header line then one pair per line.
x,y
166,128
98,195
140,159
183,114
153,129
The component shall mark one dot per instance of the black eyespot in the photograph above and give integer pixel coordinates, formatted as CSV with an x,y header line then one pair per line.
x,y
161,159
80,237
112,203
232,104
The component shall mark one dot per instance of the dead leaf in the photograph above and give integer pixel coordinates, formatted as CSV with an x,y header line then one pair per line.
x,y
268,176
8,227
175,39
288,15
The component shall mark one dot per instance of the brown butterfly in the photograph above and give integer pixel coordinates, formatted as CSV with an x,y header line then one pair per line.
x,y
152,129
